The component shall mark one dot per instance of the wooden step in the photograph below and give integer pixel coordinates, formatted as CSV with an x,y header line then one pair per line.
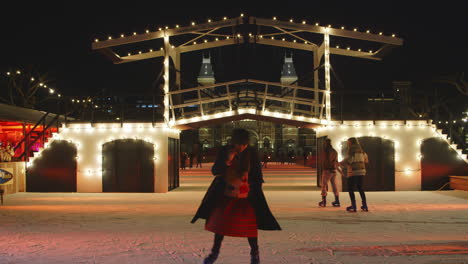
x,y
459,182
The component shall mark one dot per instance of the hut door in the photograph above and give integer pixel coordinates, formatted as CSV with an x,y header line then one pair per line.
x,y
128,166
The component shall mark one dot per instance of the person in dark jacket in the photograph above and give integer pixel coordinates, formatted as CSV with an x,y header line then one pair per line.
x,y
199,158
183,160
266,158
191,156
223,214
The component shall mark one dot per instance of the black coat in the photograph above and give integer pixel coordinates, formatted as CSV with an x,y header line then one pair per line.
x,y
265,219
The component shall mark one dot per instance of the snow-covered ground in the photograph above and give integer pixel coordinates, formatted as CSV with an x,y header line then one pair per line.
x,y
401,227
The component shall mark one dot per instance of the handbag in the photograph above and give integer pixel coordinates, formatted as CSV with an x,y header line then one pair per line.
x,y
237,182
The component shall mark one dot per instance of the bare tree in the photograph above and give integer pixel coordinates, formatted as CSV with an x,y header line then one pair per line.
x,y
26,88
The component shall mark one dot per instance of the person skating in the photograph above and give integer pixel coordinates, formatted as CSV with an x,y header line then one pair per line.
x,y
305,156
329,167
266,158
199,159
191,156
355,162
235,196
183,160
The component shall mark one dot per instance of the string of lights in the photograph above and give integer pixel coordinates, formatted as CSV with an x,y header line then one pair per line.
x,y
34,81
252,35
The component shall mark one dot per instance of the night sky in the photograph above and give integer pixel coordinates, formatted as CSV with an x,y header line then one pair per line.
x,y
57,39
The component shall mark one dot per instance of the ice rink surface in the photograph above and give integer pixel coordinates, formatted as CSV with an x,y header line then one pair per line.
x,y
401,227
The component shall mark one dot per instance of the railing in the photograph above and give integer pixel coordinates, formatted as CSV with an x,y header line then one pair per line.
x,y
247,93
121,109
26,142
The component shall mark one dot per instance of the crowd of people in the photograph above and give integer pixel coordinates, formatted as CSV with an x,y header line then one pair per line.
x,y
190,157
234,204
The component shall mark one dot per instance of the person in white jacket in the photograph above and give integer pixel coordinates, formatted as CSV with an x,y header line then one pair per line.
x,y
355,162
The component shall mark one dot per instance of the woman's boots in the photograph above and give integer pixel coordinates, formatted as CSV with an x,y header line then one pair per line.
x,y
211,257
352,208
364,206
323,203
336,203
254,257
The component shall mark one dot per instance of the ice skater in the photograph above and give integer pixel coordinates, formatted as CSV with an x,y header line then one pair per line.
x,y
191,156
355,162
266,158
329,168
234,204
199,159
183,160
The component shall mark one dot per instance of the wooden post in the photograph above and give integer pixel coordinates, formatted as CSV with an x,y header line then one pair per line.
x,y
315,109
264,97
167,47
327,74
229,97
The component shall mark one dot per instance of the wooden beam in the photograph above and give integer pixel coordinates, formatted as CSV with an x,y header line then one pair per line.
x,y
197,102
286,44
210,45
354,53
283,85
207,86
333,31
118,41
273,98
142,56
111,55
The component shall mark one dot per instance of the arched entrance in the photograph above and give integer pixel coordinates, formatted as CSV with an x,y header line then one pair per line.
x,y
54,170
128,166
438,162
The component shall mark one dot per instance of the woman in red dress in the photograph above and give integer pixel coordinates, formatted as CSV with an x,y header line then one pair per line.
x,y
234,204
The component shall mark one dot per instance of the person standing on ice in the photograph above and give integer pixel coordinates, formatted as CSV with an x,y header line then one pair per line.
x,y
234,204
329,167
199,158
355,162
